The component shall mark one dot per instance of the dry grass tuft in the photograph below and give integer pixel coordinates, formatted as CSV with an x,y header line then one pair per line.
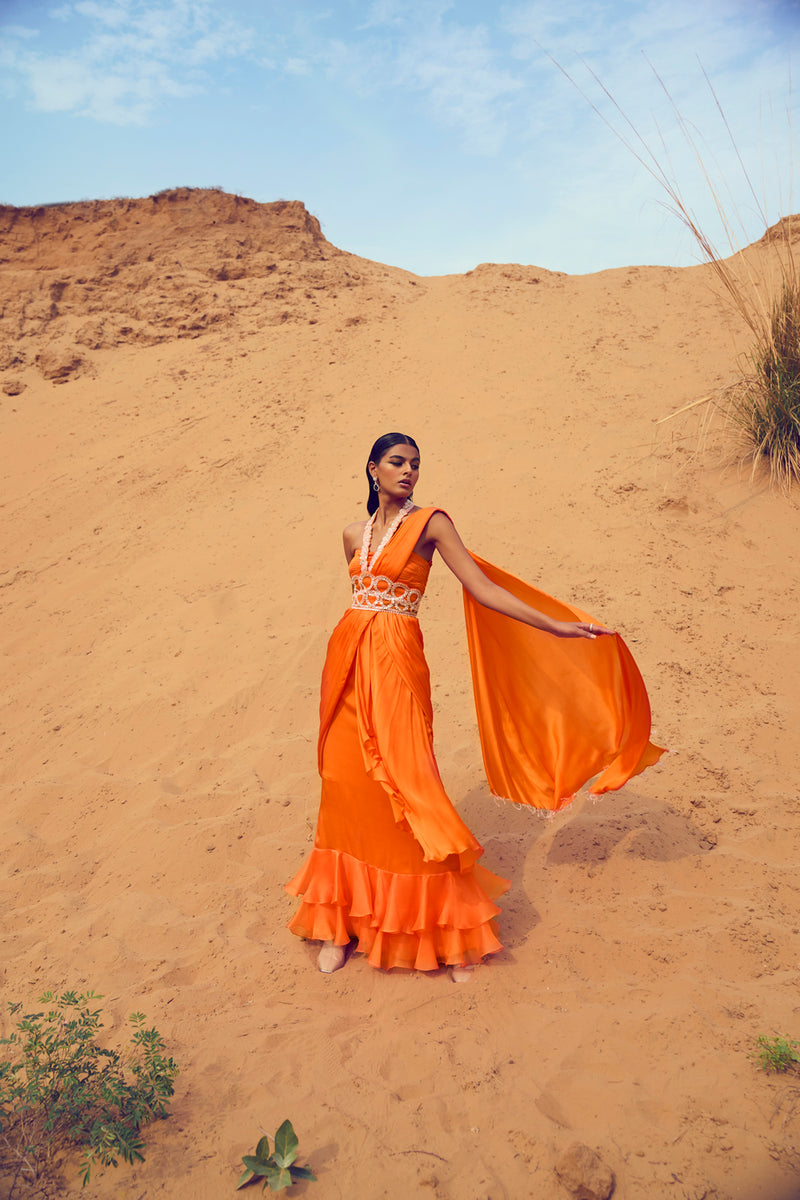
x,y
764,290
766,407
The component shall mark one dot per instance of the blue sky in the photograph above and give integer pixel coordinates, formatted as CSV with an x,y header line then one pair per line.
x,y
425,134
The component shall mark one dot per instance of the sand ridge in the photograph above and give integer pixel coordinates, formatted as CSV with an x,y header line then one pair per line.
x,y
171,568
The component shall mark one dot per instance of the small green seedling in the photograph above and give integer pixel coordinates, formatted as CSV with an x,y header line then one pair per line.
x,y
277,1168
777,1053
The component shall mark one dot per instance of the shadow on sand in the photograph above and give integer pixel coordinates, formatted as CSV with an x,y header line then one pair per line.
x,y
630,824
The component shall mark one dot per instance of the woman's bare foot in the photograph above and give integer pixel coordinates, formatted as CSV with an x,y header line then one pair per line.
x,y
331,957
462,974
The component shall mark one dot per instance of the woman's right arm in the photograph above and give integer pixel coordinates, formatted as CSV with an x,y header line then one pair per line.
x,y
442,534
352,539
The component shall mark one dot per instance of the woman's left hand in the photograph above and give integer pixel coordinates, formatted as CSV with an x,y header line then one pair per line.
x,y
584,629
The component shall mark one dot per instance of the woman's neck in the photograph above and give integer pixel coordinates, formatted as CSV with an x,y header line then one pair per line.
x,y
387,511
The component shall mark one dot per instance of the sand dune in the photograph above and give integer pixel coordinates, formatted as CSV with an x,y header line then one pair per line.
x,y
189,385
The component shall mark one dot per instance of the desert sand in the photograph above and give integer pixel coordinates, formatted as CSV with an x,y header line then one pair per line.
x,y
189,387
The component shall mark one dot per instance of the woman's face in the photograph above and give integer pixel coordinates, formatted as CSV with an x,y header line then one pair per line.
x,y
398,470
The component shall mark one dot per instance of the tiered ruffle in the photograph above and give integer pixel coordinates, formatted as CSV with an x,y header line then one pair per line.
x,y
413,921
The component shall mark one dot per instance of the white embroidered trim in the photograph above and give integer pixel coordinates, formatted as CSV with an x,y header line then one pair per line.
x,y
543,814
367,538
378,593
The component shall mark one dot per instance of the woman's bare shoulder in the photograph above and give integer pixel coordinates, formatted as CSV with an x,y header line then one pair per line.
x,y
440,525
439,531
440,520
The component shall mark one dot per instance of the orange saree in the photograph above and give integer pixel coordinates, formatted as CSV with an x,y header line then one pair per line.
x,y
393,865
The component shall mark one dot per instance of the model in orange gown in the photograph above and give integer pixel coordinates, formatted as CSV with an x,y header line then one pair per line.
x,y
393,865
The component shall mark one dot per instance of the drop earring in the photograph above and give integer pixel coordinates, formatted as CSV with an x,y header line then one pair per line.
x,y
376,487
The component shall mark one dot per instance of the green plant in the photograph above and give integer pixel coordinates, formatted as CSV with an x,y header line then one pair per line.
x,y
59,1088
277,1168
777,1053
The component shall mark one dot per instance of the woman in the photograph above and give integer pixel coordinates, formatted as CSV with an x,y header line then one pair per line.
x,y
393,865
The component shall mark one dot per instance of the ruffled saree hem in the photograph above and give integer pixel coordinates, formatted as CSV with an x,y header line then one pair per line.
x,y
398,920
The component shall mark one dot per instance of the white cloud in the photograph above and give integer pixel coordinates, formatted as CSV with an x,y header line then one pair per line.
x,y
486,76
132,58
114,14
18,31
400,13
122,95
466,85
420,49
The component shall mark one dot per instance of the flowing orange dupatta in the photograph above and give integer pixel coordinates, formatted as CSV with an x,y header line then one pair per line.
x,y
553,713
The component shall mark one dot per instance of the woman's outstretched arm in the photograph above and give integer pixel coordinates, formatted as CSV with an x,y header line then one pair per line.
x,y
441,534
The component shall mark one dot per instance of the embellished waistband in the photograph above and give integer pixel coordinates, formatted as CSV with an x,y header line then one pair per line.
x,y
378,593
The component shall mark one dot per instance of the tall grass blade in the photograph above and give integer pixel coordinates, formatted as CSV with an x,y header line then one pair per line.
x,y
761,283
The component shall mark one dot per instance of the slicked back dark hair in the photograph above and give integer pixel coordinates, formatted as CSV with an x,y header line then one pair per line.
x,y
376,454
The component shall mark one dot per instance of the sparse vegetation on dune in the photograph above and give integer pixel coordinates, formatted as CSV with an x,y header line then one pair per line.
x,y
60,1090
764,404
766,407
764,291
777,1054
